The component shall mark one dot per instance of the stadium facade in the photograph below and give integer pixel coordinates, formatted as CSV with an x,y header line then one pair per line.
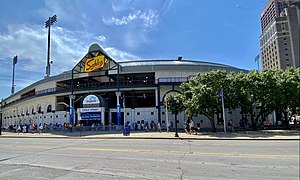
x,y
100,90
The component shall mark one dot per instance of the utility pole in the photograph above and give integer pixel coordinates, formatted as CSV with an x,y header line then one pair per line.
x,y
48,24
15,60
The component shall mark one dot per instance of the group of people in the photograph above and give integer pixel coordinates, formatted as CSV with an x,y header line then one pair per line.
x,y
146,126
34,127
30,128
190,127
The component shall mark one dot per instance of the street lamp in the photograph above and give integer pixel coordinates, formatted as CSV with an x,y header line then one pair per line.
x,y
175,109
1,117
15,60
48,24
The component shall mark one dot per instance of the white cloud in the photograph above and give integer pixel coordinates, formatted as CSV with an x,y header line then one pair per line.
x,y
120,55
29,42
101,38
148,18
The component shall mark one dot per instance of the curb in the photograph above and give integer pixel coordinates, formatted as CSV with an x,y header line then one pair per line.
x,y
179,138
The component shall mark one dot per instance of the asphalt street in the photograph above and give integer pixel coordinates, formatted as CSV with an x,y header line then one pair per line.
x,y
51,158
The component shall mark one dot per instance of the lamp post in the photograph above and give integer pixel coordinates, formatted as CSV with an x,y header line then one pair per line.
x,y
1,118
15,60
48,24
175,109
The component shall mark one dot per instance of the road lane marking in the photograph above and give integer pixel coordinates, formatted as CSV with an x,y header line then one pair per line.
x,y
153,151
178,152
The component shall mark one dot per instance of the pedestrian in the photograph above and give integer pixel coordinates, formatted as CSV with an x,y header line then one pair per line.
x,y
24,128
169,126
158,127
66,126
268,124
230,126
198,126
18,129
187,126
33,127
41,128
192,126
71,127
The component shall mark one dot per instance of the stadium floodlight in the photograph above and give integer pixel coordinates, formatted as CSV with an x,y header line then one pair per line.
x,y
48,25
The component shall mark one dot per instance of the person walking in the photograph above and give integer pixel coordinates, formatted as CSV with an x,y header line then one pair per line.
x,y
198,126
158,127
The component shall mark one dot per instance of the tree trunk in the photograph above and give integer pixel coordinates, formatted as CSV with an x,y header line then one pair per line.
x,y
253,122
212,120
287,124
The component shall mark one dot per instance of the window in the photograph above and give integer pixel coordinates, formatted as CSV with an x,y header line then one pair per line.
x,y
152,113
286,49
286,54
287,59
49,108
284,38
56,116
128,114
162,113
138,113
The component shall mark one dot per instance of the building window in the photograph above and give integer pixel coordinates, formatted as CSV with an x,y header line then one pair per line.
x,y
152,113
128,114
49,108
286,49
138,113
56,116
284,38
162,113
286,54
287,59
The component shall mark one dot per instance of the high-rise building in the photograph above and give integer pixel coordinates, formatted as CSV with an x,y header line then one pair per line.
x,y
279,41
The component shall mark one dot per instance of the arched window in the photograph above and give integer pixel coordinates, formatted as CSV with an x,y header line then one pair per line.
x,y
49,108
40,109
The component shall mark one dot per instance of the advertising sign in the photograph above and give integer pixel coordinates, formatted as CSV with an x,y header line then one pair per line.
x,y
85,110
94,63
91,99
90,116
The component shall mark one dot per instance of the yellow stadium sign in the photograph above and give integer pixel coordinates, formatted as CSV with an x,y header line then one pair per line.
x,y
94,63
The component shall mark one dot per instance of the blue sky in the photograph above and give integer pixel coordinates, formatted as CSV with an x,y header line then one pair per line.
x,y
221,31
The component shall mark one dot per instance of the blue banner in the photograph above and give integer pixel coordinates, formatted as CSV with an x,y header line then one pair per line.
x,y
118,115
71,115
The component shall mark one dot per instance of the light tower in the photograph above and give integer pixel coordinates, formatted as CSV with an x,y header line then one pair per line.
x,y
48,24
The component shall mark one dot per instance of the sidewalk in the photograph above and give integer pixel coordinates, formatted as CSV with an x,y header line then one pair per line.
x,y
243,135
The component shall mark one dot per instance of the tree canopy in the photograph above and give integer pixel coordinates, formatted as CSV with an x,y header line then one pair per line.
x,y
270,90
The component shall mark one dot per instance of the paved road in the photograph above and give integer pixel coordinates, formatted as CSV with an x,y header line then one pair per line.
x,y
50,158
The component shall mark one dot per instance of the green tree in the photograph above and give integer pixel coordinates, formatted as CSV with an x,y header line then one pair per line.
x,y
201,94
